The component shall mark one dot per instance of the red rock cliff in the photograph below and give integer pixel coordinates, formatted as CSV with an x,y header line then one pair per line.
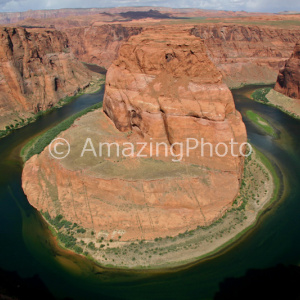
x,y
164,86
37,69
244,54
288,80
99,44
247,54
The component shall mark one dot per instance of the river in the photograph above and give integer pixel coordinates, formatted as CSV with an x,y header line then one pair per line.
x,y
28,248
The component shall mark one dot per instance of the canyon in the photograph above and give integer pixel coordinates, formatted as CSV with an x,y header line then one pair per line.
x,y
248,48
161,88
45,64
37,69
168,81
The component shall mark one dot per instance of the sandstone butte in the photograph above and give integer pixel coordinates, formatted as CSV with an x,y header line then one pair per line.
x,y
37,69
288,80
162,87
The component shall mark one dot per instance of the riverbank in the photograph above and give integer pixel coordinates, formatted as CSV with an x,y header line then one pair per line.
x,y
259,188
26,118
40,142
270,97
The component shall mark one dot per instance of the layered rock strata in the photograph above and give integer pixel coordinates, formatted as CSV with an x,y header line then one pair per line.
x,y
247,54
99,44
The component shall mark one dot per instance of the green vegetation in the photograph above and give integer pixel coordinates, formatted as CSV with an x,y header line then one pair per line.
x,y
261,123
273,172
38,144
260,94
21,122
280,101
64,231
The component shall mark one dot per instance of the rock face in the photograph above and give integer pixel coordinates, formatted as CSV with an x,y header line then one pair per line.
x,y
162,88
37,70
247,54
244,54
288,80
99,44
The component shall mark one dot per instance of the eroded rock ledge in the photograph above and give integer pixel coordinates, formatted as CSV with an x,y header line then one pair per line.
x,y
161,88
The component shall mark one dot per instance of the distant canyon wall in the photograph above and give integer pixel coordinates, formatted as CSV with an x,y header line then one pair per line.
x,y
244,54
247,54
99,44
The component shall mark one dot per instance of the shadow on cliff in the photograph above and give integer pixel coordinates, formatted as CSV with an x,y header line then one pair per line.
x,y
280,282
154,14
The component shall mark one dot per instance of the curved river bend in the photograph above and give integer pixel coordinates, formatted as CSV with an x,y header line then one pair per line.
x,y
28,248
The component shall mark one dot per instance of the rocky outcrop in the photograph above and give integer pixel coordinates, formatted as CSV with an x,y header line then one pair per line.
x,y
162,88
37,69
99,44
247,54
288,80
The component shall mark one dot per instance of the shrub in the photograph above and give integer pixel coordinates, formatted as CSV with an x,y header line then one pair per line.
x,y
260,94
78,249
91,245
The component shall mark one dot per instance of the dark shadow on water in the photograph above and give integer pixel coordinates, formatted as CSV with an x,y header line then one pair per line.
x,y
12,286
280,282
